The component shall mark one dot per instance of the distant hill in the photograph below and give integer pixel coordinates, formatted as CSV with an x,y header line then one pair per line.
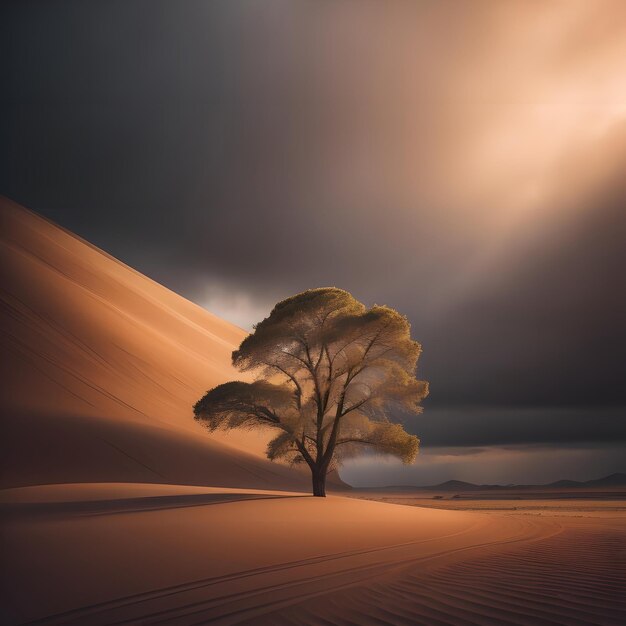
x,y
613,480
565,483
455,485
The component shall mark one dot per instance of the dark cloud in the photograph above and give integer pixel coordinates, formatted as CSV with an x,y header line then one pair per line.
x,y
502,426
549,332
492,465
462,166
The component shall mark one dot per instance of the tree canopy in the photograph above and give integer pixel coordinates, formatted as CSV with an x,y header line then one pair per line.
x,y
331,375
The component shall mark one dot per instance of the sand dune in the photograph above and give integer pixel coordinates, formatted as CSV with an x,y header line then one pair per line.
x,y
101,368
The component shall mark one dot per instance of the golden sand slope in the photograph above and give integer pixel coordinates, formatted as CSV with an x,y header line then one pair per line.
x,y
155,554
100,369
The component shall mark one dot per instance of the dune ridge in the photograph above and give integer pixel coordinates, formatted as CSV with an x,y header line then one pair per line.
x,y
102,366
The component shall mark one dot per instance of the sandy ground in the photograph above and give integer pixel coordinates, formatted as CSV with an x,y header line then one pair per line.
x,y
551,502
115,553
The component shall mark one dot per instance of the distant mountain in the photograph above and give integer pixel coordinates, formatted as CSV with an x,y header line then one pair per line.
x,y
613,480
565,483
455,485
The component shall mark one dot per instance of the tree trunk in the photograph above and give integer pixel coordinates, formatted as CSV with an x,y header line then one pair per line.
x,y
319,483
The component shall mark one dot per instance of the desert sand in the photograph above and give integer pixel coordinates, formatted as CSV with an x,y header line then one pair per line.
x,y
129,553
102,366
117,508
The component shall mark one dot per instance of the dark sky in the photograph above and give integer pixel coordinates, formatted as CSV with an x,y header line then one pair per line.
x,y
463,165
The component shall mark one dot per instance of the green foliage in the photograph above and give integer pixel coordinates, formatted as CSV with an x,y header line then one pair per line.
x,y
331,374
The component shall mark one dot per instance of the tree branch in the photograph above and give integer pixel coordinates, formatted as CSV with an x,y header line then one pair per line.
x,y
294,381
356,440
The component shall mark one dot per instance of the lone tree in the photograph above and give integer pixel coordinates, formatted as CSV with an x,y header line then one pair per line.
x,y
329,373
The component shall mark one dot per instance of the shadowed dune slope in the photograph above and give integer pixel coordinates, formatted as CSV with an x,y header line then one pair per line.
x,y
101,367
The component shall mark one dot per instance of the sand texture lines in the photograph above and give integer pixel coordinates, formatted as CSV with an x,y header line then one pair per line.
x,y
576,576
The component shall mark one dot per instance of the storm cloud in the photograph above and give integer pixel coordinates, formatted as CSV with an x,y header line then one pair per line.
x,y
462,163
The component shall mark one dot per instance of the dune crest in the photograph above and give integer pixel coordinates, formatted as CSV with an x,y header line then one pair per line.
x,y
102,367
